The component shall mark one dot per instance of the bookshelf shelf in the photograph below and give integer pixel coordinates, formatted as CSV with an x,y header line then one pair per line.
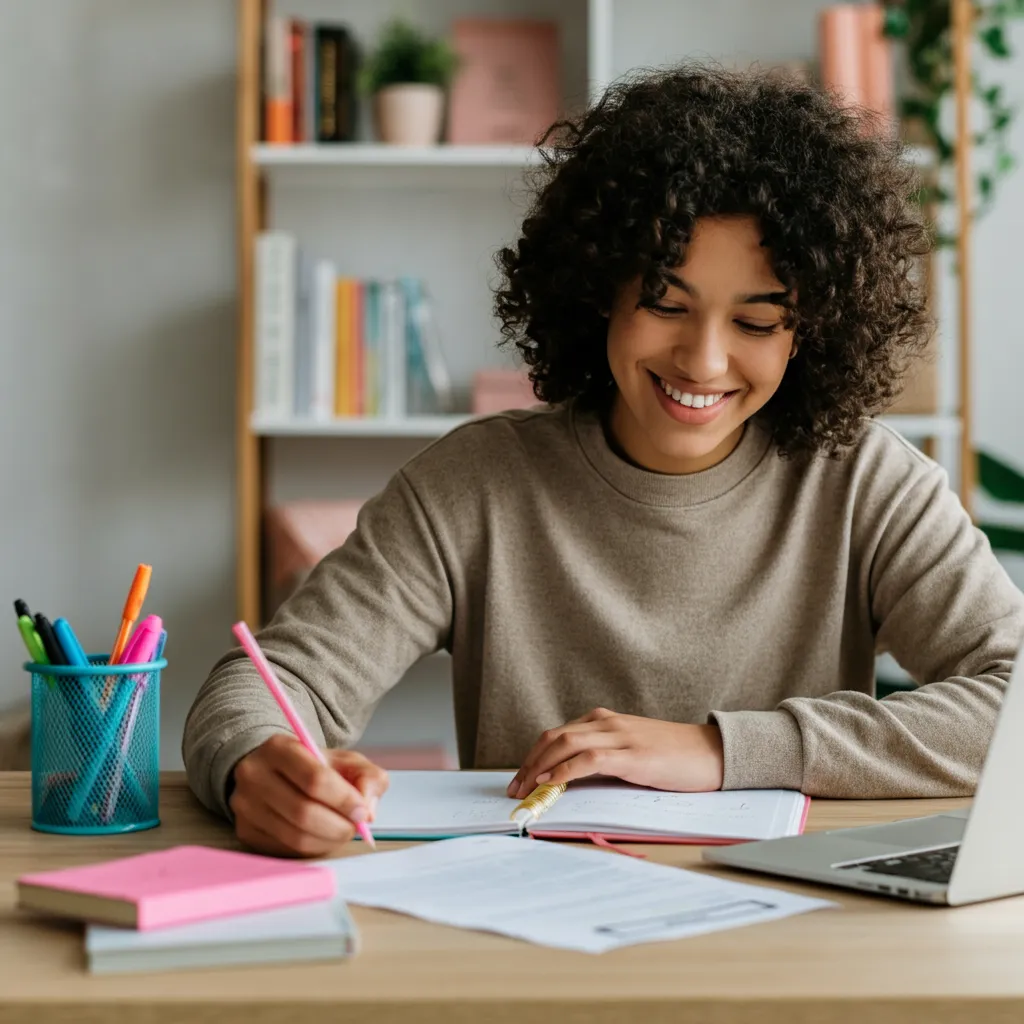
x,y
365,426
367,154
916,428
356,154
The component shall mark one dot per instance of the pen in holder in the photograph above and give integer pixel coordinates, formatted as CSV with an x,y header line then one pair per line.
x,y
95,768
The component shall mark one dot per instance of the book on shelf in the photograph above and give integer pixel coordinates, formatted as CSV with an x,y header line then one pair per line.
x,y
507,89
329,346
309,72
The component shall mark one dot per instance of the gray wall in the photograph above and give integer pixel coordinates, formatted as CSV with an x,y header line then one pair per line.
x,y
117,326
117,321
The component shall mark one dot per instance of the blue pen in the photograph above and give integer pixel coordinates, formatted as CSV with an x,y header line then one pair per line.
x,y
76,656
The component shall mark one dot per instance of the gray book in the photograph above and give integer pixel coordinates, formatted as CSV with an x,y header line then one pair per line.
x,y
309,931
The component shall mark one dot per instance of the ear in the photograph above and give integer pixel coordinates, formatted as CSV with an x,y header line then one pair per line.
x,y
796,347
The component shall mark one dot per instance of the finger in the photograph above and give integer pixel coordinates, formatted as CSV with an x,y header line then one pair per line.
x,y
567,747
518,787
370,779
590,762
276,838
277,801
320,782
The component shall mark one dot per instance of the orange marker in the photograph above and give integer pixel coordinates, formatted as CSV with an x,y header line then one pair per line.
x,y
132,607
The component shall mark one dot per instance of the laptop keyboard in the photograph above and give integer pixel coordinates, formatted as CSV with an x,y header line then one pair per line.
x,y
928,865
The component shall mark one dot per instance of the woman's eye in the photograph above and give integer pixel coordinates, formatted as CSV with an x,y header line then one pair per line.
x,y
666,310
761,329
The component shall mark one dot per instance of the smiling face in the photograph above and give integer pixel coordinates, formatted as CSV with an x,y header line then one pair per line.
x,y
691,370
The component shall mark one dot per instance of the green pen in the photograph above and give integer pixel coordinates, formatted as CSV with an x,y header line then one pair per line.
x,y
33,644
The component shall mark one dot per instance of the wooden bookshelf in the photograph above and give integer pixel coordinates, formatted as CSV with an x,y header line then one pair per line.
x,y
427,172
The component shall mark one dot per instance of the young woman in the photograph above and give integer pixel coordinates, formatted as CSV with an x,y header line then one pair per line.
x,y
677,571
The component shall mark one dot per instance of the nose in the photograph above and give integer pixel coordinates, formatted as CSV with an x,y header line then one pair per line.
x,y
702,354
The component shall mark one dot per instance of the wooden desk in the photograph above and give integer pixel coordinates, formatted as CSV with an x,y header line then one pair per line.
x,y
874,961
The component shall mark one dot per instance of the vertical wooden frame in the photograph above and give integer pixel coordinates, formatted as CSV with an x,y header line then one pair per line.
x,y
249,464
963,29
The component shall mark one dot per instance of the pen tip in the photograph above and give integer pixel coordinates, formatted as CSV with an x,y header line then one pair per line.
x,y
20,608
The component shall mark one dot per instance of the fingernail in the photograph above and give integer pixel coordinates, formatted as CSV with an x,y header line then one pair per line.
x,y
544,776
357,814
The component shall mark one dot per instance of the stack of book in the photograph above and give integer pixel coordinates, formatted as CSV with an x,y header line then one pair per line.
x,y
309,92
329,346
196,906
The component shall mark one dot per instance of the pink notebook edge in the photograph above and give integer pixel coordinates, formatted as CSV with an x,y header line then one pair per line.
x,y
289,882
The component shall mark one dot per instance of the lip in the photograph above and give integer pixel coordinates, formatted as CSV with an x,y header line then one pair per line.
x,y
686,413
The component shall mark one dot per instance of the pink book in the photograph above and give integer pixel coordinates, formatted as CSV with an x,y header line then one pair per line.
x,y
174,886
507,89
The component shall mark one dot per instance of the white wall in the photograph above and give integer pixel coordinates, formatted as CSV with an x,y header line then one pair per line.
x,y
117,315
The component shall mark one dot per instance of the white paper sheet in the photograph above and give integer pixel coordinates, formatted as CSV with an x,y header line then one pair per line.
x,y
587,900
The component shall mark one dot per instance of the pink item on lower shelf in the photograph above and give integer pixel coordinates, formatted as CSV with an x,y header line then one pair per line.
x,y
498,390
301,533
422,758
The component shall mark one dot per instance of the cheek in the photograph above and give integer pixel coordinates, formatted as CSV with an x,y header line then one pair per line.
x,y
765,366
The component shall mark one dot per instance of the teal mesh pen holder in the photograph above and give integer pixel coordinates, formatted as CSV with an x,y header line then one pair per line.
x,y
95,747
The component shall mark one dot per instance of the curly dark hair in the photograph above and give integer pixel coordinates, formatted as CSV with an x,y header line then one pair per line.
x,y
619,194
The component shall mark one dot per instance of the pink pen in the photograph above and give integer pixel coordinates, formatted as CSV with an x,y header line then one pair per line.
x,y
139,650
248,642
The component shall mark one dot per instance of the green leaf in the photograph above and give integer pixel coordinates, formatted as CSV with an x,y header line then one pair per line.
x,y
991,95
895,24
1005,162
1000,480
1002,120
985,185
1003,538
994,39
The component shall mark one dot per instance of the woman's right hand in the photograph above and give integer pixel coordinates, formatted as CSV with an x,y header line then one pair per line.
x,y
287,804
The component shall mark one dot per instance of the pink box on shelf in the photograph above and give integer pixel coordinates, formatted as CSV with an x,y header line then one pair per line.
x,y
507,89
498,390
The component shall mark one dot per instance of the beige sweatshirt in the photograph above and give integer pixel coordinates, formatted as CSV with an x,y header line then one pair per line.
x,y
562,578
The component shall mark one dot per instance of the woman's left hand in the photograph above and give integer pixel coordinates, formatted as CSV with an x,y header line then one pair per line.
x,y
645,751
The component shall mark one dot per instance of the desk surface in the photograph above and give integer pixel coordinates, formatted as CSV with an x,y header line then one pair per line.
x,y
876,959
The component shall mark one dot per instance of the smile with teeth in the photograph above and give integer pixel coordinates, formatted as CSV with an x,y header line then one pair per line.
x,y
695,401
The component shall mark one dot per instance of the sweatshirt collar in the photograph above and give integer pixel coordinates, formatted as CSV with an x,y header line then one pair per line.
x,y
651,488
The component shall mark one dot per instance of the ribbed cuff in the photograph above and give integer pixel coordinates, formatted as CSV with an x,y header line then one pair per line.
x,y
762,749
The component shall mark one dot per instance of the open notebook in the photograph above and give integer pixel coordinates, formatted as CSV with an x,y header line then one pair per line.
x,y
443,805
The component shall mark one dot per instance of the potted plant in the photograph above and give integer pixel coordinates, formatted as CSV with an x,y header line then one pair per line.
x,y
407,76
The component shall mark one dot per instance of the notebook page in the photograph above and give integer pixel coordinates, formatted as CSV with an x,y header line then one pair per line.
x,y
617,807
557,895
423,804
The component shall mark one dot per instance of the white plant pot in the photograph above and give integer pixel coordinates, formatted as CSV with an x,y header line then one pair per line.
x,y
409,115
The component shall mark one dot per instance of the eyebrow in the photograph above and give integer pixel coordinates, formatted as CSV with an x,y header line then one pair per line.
x,y
757,298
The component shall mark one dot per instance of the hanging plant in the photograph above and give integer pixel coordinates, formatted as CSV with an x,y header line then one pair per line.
x,y
924,27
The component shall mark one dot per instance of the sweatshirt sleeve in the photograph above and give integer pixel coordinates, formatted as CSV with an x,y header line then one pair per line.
x,y
945,608
364,615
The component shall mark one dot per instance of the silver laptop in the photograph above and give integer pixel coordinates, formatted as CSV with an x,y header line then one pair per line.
x,y
960,857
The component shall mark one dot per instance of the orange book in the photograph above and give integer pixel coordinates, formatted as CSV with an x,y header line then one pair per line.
x,y
507,90
343,355
277,84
